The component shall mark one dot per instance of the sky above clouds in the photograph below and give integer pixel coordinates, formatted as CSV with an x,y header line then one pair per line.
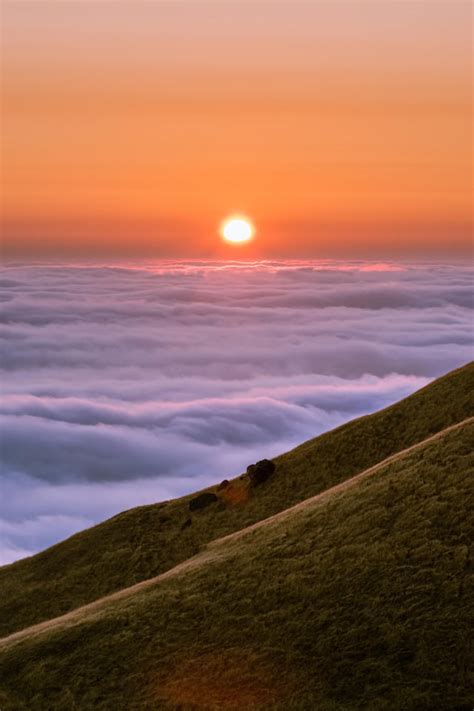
x,y
129,384
133,127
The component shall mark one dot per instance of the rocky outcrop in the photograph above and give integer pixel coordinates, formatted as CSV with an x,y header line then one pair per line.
x,y
259,473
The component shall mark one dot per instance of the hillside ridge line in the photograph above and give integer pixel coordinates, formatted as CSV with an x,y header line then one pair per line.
x,y
211,552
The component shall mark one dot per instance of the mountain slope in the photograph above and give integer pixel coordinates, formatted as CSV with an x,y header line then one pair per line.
x,y
148,540
358,599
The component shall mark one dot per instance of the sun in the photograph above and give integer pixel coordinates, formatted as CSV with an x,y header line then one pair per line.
x,y
237,229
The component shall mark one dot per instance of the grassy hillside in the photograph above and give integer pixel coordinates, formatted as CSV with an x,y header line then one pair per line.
x,y
148,540
359,599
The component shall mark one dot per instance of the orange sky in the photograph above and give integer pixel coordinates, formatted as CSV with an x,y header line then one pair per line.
x,y
135,127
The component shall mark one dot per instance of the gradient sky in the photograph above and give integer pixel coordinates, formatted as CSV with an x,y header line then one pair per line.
x,y
134,127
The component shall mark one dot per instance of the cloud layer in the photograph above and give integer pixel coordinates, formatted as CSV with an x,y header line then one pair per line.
x,y
125,385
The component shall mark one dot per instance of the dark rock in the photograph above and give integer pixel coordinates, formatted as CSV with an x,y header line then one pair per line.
x,y
201,501
267,465
186,524
259,472
223,485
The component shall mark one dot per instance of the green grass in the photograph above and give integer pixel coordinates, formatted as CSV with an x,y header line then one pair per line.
x,y
145,541
361,599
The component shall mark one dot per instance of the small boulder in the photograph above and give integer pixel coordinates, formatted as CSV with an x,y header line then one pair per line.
x,y
258,473
223,485
201,501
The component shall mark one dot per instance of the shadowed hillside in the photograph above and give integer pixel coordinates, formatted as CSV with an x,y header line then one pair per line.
x,y
357,599
143,542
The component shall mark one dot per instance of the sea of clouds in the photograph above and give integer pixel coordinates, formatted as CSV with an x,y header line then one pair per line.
x,y
129,384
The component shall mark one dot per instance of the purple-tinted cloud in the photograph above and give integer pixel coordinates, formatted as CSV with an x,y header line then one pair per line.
x,y
124,385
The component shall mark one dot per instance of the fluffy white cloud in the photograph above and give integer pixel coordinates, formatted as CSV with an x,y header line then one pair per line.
x,y
126,385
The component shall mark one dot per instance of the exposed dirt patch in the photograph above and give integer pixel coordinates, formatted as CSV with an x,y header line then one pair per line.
x,y
235,493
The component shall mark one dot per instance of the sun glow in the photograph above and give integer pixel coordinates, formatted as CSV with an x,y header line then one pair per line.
x,y
237,230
